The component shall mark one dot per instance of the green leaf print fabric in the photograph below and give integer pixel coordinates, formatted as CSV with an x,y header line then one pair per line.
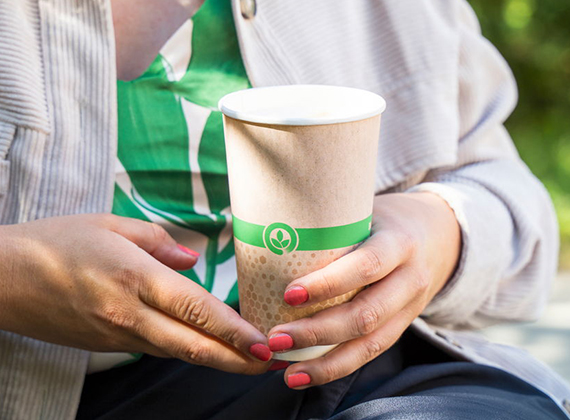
x,y
171,161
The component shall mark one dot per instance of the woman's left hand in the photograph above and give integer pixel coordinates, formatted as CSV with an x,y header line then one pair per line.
x,y
412,252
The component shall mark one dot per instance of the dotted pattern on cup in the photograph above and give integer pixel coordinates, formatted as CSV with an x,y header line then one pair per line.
x,y
263,277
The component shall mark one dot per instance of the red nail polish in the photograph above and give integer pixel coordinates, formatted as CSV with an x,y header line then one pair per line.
x,y
261,351
298,379
296,295
279,364
280,342
188,251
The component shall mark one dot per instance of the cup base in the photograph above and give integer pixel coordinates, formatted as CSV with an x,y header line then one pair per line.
x,y
304,354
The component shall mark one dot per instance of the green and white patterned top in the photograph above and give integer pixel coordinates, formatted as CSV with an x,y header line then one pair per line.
x,y
171,163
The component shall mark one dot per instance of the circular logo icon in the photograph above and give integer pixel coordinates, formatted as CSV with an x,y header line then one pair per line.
x,y
280,238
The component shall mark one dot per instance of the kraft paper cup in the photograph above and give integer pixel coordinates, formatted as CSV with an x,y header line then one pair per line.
x,y
301,164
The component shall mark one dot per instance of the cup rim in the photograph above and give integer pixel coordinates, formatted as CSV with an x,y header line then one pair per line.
x,y
359,104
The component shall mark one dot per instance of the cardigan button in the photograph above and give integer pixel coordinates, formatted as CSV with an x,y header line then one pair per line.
x,y
248,8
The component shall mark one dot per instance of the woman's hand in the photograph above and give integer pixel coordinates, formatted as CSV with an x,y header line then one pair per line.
x,y
106,283
412,252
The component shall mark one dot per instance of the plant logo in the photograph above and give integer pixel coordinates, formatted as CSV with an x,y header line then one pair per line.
x,y
280,238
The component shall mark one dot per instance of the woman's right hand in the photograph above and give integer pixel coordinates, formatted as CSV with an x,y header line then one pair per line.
x,y
107,283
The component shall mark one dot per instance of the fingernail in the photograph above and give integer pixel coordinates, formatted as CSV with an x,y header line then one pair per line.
x,y
188,251
298,379
261,351
296,295
279,364
280,342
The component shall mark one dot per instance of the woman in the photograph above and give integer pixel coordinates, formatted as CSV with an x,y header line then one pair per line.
x,y
467,235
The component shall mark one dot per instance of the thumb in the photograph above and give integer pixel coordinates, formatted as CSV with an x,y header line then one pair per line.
x,y
155,240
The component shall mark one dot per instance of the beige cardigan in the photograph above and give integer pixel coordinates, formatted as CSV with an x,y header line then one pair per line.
x,y
448,92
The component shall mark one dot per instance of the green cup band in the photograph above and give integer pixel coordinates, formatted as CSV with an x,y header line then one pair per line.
x,y
281,238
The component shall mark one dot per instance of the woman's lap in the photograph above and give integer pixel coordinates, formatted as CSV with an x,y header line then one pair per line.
x,y
454,390
411,381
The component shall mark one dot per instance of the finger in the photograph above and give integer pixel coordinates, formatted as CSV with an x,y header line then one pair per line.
x,y
142,345
367,312
194,346
347,357
187,301
155,240
155,351
373,260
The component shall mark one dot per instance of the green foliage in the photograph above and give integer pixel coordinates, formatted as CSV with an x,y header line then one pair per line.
x,y
534,37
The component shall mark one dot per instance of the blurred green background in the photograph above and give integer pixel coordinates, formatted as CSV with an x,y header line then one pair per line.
x,y
534,37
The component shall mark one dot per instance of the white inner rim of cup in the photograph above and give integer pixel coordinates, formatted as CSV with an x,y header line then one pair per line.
x,y
302,105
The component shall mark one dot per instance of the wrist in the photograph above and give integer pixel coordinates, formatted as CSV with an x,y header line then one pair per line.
x,y
441,219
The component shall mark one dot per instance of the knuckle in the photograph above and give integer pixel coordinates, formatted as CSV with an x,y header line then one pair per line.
x,y
382,309
198,354
232,336
330,372
367,320
107,220
372,348
192,310
371,265
325,285
420,281
128,275
407,242
159,234
117,317
306,333
311,335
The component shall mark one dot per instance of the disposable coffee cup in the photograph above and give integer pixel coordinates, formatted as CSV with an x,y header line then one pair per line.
x,y
301,167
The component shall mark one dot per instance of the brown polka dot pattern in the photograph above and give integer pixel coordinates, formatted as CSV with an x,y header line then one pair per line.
x,y
261,283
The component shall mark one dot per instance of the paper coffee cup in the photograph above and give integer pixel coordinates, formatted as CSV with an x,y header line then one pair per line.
x,y
301,166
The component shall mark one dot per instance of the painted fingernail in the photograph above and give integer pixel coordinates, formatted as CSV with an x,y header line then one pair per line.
x,y
296,295
188,251
298,379
280,342
261,351
279,365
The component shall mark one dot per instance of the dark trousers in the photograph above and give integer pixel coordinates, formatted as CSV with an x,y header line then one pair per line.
x,y
413,380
